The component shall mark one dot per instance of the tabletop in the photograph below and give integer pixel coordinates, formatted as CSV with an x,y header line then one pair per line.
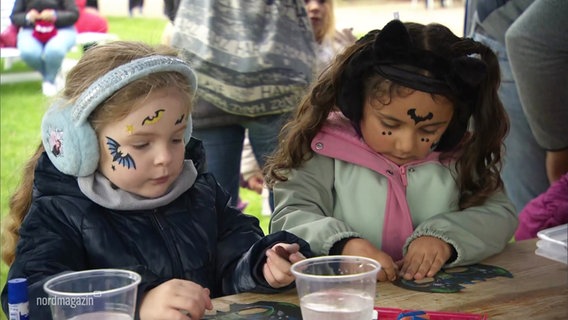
x,y
538,290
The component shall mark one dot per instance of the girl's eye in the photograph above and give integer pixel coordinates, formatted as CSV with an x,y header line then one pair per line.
x,y
140,146
429,131
390,126
176,141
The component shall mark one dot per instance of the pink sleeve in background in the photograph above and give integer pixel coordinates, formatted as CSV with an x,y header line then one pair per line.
x,y
545,211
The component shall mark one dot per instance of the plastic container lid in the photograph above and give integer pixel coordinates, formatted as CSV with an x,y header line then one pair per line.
x,y
553,243
557,235
17,290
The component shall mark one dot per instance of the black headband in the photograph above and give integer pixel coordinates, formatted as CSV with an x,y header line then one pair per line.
x,y
397,59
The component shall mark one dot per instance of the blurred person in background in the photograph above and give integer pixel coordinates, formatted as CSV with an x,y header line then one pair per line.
x,y
46,34
537,45
254,62
329,42
488,22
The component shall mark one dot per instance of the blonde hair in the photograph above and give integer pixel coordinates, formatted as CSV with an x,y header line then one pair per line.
x,y
328,29
95,63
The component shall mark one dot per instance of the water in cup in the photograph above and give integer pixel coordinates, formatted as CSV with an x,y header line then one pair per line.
x,y
336,287
337,305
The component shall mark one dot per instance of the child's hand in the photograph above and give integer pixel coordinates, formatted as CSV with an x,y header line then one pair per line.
x,y
175,299
279,259
256,182
345,36
424,258
364,248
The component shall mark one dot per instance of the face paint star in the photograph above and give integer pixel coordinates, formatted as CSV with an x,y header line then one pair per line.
x,y
129,128
113,168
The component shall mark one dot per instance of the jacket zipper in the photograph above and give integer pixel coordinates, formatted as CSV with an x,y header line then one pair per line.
x,y
174,255
403,176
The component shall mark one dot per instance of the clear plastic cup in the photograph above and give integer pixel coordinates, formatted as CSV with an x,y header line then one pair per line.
x,y
336,287
108,294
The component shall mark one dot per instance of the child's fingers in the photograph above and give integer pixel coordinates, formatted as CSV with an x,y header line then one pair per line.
x,y
391,271
288,247
274,276
207,298
279,269
295,257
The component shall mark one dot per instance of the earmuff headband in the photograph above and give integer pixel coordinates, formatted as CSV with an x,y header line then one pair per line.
x,y
119,77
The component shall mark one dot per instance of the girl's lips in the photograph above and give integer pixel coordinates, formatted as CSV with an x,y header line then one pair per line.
x,y
161,180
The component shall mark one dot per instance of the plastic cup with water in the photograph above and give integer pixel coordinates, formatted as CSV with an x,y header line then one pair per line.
x,y
336,287
108,294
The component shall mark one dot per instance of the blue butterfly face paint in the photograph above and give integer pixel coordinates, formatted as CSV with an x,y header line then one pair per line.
x,y
123,159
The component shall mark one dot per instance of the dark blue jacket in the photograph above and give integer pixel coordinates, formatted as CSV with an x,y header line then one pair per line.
x,y
197,237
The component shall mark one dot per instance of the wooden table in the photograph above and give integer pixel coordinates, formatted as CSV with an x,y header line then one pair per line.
x,y
538,290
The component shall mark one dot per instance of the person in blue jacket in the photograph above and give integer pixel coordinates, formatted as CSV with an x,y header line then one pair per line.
x,y
125,189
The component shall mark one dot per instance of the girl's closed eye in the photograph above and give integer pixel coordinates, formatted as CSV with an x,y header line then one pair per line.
x,y
389,125
429,130
140,146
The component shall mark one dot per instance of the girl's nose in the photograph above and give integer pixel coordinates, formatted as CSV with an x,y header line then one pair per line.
x,y
163,156
405,144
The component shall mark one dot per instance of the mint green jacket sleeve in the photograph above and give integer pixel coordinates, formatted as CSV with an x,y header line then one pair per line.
x,y
476,232
305,206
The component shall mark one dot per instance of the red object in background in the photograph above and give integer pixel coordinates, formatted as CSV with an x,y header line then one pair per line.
x,y
90,20
393,313
44,30
9,37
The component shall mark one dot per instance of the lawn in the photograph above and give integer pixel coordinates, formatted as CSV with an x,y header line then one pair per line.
x,y
22,106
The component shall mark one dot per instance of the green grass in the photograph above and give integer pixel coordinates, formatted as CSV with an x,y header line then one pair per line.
x,y
22,106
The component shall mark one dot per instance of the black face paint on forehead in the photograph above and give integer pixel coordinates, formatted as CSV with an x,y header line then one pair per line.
x,y
178,121
417,118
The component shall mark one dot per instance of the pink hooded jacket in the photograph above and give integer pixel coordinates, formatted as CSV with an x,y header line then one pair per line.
x,y
545,211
